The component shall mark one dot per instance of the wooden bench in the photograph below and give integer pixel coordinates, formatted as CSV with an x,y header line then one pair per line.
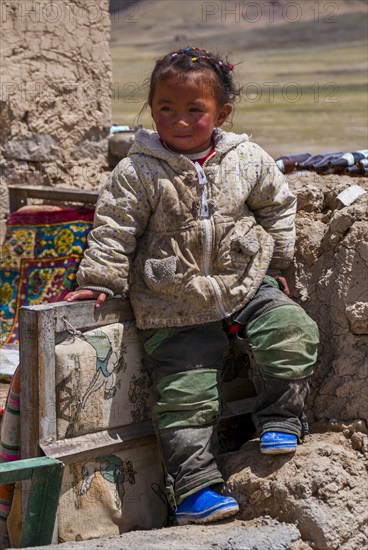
x,y
40,327
19,195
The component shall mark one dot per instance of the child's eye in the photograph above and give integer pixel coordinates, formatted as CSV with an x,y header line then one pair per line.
x,y
166,108
196,110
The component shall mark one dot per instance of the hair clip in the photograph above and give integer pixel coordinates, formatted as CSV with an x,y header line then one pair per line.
x,y
231,66
194,58
174,54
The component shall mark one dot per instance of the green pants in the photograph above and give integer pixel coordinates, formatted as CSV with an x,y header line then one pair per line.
x,y
186,366
282,341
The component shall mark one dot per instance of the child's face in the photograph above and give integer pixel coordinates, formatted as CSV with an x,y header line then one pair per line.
x,y
185,111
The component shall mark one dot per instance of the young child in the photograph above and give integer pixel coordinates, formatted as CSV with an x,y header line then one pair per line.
x,y
193,226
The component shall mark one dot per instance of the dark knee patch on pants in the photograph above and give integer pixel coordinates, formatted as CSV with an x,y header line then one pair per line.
x,y
188,399
177,349
284,342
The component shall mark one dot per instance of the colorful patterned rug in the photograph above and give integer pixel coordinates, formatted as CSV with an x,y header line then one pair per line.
x,y
39,260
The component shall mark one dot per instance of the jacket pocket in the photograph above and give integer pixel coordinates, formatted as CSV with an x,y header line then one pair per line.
x,y
244,247
160,274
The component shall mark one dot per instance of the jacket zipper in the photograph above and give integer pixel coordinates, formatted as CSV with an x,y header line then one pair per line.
x,y
202,180
208,243
208,239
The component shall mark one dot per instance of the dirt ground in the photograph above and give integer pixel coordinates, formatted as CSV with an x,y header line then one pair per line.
x,y
314,499
322,489
263,534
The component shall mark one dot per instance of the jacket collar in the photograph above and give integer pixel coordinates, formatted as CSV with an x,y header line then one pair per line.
x,y
147,142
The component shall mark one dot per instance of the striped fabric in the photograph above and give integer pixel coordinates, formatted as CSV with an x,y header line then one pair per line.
x,y
9,440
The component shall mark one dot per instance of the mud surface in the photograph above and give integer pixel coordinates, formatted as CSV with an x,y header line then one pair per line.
x,y
321,489
329,279
265,534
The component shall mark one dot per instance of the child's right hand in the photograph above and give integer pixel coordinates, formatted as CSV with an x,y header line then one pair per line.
x,y
86,294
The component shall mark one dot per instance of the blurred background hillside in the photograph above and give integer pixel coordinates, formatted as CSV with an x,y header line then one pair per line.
x,y
303,64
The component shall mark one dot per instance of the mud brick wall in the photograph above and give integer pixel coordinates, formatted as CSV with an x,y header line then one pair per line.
x,y
329,279
55,104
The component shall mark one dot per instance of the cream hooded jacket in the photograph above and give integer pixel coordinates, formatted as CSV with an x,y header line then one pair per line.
x,y
189,245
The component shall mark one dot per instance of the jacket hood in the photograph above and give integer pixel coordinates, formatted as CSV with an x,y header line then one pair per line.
x,y
147,142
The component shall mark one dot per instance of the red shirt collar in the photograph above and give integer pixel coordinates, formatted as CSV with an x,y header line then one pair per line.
x,y
200,160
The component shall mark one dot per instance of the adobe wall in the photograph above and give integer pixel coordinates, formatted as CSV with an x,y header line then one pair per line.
x,y
329,279
55,106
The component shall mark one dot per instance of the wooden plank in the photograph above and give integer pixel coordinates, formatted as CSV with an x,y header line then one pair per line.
x,y
84,315
29,383
107,441
17,198
29,391
42,505
19,194
116,439
20,470
46,374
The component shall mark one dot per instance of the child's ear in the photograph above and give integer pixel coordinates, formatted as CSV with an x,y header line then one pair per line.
x,y
225,112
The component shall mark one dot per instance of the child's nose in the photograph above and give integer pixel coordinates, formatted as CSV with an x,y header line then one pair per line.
x,y
181,121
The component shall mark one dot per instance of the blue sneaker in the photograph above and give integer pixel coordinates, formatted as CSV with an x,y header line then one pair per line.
x,y
278,443
205,506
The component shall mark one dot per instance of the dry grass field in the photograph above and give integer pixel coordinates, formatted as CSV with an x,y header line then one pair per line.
x,y
302,64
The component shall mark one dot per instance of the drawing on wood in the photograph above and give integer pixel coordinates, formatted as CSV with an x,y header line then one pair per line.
x,y
113,470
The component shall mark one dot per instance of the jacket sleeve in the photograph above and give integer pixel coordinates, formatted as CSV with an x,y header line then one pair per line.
x,y
122,213
274,207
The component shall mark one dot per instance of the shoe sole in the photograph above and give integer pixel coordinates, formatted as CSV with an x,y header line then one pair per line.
x,y
217,515
278,450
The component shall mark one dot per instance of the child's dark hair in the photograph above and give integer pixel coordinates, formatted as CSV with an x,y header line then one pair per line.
x,y
196,60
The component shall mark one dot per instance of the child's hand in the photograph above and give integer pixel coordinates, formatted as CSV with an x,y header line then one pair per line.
x,y
85,294
283,285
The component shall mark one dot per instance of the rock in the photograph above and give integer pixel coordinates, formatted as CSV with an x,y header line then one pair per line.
x,y
33,147
4,198
358,317
310,234
310,199
90,149
322,489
